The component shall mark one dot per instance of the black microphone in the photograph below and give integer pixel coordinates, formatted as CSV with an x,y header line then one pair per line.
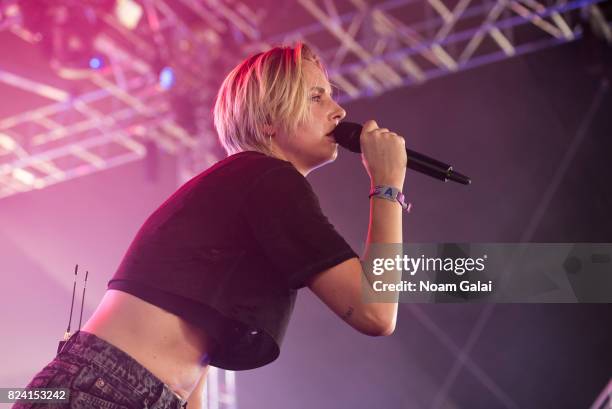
x,y
347,135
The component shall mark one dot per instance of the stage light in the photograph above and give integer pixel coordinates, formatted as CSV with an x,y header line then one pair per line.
x,y
7,142
24,176
96,63
128,13
166,78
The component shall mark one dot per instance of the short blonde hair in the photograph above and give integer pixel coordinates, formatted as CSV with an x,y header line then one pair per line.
x,y
265,90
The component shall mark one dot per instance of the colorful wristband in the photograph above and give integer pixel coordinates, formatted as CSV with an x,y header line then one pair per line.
x,y
392,194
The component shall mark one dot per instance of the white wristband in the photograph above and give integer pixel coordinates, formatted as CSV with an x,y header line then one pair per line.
x,y
392,194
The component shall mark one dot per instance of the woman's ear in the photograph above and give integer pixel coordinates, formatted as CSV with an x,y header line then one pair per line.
x,y
269,130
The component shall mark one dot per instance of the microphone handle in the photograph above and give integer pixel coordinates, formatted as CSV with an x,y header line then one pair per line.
x,y
429,166
434,168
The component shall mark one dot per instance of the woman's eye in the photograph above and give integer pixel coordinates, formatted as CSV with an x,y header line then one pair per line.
x,y
316,98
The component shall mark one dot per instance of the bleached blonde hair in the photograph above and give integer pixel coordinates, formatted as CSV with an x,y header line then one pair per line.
x,y
266,91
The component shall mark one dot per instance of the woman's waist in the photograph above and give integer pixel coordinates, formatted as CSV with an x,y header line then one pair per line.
x,y
174,350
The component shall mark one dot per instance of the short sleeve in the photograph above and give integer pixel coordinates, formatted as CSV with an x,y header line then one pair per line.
x,y
285,218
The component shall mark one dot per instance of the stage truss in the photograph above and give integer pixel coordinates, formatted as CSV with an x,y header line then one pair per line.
x,y
122,114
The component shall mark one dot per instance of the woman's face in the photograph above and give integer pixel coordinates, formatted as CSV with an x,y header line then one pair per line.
x,y
312,144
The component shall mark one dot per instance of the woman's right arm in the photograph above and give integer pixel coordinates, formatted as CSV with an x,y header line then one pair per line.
x,y
340,287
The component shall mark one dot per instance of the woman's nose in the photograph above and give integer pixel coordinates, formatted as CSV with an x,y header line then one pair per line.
x,y
339,113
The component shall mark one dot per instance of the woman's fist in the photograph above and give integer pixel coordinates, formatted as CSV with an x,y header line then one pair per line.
x,y
383,155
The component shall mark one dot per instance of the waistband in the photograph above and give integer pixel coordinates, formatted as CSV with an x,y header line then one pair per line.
x,y
139,384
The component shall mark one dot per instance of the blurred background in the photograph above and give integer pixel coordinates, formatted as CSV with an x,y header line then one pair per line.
x,y
105,109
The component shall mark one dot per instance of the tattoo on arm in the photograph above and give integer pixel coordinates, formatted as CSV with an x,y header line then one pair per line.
x,y
348,314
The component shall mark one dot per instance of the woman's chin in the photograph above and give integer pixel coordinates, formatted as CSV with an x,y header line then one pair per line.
x,y
327,157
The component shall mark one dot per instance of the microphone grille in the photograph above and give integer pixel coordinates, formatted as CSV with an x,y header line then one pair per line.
x,y
347,135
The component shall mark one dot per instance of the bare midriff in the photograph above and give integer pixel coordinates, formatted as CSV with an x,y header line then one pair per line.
x,y
172,349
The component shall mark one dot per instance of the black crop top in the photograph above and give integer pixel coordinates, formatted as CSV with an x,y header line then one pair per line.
x,y
228,252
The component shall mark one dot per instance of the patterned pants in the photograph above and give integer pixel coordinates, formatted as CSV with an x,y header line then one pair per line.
x,y
99,375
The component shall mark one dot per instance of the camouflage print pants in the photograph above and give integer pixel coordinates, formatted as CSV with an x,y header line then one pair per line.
x,y
99,375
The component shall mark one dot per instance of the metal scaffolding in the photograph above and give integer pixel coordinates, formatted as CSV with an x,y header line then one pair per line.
x,y
369,48
404,42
